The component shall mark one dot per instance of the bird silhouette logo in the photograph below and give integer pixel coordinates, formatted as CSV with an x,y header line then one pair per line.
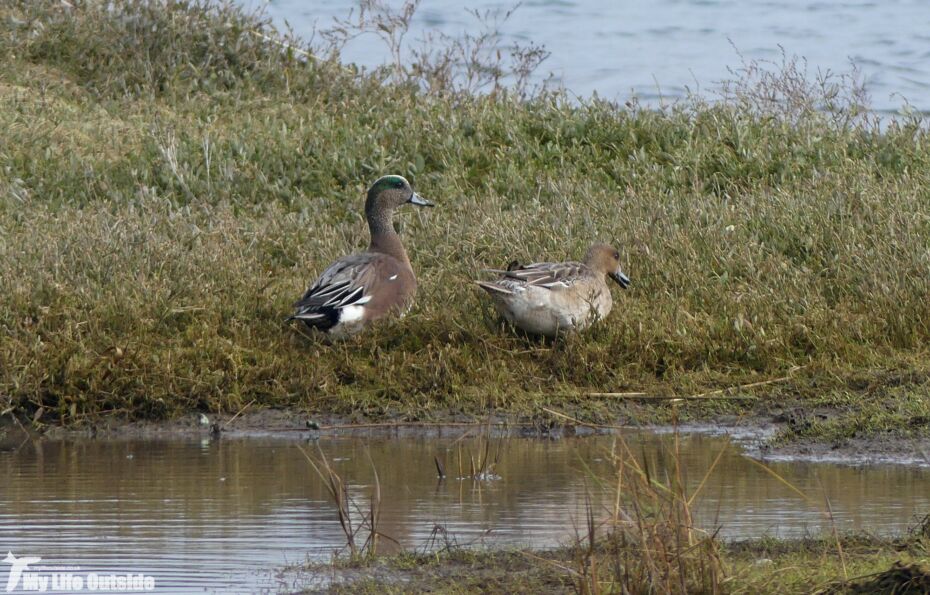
x,y
16,571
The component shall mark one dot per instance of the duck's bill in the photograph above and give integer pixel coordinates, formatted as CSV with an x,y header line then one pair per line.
x,y
621,279
418,200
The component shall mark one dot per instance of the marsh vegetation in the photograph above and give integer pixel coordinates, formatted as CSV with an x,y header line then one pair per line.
x,y
173,175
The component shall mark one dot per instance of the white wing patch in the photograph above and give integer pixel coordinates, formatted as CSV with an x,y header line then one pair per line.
x,y
392,277
351,313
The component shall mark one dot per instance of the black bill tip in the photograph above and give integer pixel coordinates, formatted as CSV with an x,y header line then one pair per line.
x,y
416,199
621,279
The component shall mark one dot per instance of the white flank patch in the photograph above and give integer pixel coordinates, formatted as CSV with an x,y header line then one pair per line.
x,y
351,314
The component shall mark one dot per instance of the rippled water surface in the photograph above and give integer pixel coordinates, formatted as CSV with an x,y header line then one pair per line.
x,y
216,514
658,48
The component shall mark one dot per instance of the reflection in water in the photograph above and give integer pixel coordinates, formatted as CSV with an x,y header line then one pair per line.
x,y
215,513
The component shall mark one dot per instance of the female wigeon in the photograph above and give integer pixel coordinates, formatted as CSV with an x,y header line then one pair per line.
x,y
548,298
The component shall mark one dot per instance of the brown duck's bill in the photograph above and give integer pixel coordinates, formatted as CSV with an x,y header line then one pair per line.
x,y
621,279
418,200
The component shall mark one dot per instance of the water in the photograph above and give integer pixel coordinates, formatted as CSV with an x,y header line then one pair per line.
x,y
202,514
658,49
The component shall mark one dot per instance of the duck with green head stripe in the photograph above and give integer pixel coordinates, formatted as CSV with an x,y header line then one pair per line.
x,y
361,288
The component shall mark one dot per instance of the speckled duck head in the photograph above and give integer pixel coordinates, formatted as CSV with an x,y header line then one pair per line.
x,y
605,259
386,194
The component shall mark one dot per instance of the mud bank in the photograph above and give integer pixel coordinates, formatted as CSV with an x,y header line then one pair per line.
x,y
763,436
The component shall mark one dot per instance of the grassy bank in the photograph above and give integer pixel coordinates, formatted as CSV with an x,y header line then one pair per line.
x,y
170,182
866,565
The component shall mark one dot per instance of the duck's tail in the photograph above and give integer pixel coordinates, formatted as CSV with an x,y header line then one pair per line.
x,y
493,288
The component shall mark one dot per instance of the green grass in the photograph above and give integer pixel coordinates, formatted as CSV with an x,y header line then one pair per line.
x,y
171,182
867,565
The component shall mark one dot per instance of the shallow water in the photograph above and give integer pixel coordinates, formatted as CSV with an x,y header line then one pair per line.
x,y
217,514
659,49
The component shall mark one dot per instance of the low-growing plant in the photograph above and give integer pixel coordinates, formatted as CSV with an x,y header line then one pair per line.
x,y
651,543
477,465
441,64
352,519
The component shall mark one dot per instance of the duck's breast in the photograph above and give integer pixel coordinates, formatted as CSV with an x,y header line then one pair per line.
x,y
579,304
392,288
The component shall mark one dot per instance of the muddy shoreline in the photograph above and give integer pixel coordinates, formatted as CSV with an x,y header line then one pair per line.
x,y
758,435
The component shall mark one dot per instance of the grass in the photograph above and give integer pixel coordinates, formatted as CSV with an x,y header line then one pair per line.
x,y
355,522
651,544
761,566
170,182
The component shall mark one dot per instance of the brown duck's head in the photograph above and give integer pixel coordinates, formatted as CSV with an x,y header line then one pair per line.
x,y
606,259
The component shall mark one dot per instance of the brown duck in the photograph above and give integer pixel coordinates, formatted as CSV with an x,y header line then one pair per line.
x,y
362,288
549,298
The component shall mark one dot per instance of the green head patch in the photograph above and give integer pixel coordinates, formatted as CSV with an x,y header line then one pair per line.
x,y
388,183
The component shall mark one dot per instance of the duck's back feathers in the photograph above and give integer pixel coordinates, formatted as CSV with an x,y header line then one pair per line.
x,y
494,288
354,290
548,275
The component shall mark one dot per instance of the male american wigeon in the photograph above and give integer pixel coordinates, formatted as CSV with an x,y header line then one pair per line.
x,y
548,298
361,288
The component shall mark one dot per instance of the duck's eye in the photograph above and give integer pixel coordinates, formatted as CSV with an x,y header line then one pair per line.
x,y
617,255
399,184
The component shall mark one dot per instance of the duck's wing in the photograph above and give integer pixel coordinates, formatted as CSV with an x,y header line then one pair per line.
x,y
548,275
347,282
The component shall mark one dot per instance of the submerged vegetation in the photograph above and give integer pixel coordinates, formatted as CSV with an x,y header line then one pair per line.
x,y
172,175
